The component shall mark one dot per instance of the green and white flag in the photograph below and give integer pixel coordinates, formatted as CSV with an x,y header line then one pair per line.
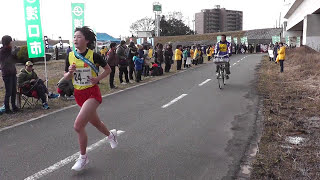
x,y
33,28
218,39
275,39
288,40
77,10
244,40
298,42
229,39
235,39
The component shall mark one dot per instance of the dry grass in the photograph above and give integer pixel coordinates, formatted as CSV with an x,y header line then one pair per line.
x,y
55,72
291,101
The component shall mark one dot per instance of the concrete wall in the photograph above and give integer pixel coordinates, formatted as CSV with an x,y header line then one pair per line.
x,y
305,8
311,31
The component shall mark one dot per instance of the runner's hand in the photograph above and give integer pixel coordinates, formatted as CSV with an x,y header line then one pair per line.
x,y
94,81
72,68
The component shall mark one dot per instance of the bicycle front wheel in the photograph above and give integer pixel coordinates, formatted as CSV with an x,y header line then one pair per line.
x,y
221,78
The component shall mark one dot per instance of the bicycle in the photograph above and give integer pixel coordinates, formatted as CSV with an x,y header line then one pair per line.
x,y
221,62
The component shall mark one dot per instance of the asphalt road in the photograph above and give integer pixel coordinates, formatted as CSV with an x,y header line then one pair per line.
x,y
202,135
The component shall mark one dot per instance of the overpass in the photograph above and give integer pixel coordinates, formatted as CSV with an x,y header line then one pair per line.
x,y
303,20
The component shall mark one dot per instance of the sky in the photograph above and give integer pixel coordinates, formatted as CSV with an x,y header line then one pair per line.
x,y
115,17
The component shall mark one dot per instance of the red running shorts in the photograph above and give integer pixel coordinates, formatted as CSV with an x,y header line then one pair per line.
x,y
82,95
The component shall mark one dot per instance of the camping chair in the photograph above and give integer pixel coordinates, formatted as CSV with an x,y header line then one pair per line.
x,y
30,98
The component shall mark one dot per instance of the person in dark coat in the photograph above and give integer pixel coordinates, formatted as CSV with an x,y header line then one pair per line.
x,y
168,54
8,69
132,51
113,61
275,51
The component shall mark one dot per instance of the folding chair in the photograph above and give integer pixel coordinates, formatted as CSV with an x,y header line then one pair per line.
x,y
27,97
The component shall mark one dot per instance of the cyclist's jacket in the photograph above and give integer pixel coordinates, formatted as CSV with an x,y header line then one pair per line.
x,y
223,48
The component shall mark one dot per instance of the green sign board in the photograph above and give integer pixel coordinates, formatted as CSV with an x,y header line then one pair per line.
x,y
218,38
33,28
77,10
275,39
235,39
157,8
229,39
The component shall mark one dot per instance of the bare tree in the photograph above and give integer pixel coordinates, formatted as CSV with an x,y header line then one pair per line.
x,y
144,24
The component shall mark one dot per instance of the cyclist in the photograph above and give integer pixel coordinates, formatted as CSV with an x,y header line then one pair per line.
x,y
223,48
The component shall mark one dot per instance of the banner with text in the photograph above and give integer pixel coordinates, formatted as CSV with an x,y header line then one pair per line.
x,y
77,10
33,28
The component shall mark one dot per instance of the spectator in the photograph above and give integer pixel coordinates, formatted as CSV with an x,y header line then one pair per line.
x,y
275,51
123,63
138,63
31,85
209,52
185,56
281,56
188,63
113,61
168,57
132,51
65,88
57,52
8,69
159,57
154,69
192,53
178,56
103,52
69,50
196,56
146,68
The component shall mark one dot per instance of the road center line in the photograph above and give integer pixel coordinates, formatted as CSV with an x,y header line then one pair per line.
x,y
64,162
173,101
204,82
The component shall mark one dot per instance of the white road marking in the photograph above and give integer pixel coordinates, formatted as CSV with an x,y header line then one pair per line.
x,y
204,82
238,61
234,64
173,101
67,160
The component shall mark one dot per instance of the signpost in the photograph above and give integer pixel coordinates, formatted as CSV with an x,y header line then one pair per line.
x,y
157,9
77,10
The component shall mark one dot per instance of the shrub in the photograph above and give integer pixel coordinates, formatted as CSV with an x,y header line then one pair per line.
x,y
23,54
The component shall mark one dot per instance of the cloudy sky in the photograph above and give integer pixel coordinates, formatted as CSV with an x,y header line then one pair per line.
x,y
115,17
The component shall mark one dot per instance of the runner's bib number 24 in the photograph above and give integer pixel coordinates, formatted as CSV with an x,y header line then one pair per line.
x,y
82,76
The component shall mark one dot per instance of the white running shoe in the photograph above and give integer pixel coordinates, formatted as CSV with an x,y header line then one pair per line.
x,y
80,164
112,138
123,83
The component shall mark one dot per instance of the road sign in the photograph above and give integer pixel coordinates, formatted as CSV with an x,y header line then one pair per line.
x,y
33,28
157,7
